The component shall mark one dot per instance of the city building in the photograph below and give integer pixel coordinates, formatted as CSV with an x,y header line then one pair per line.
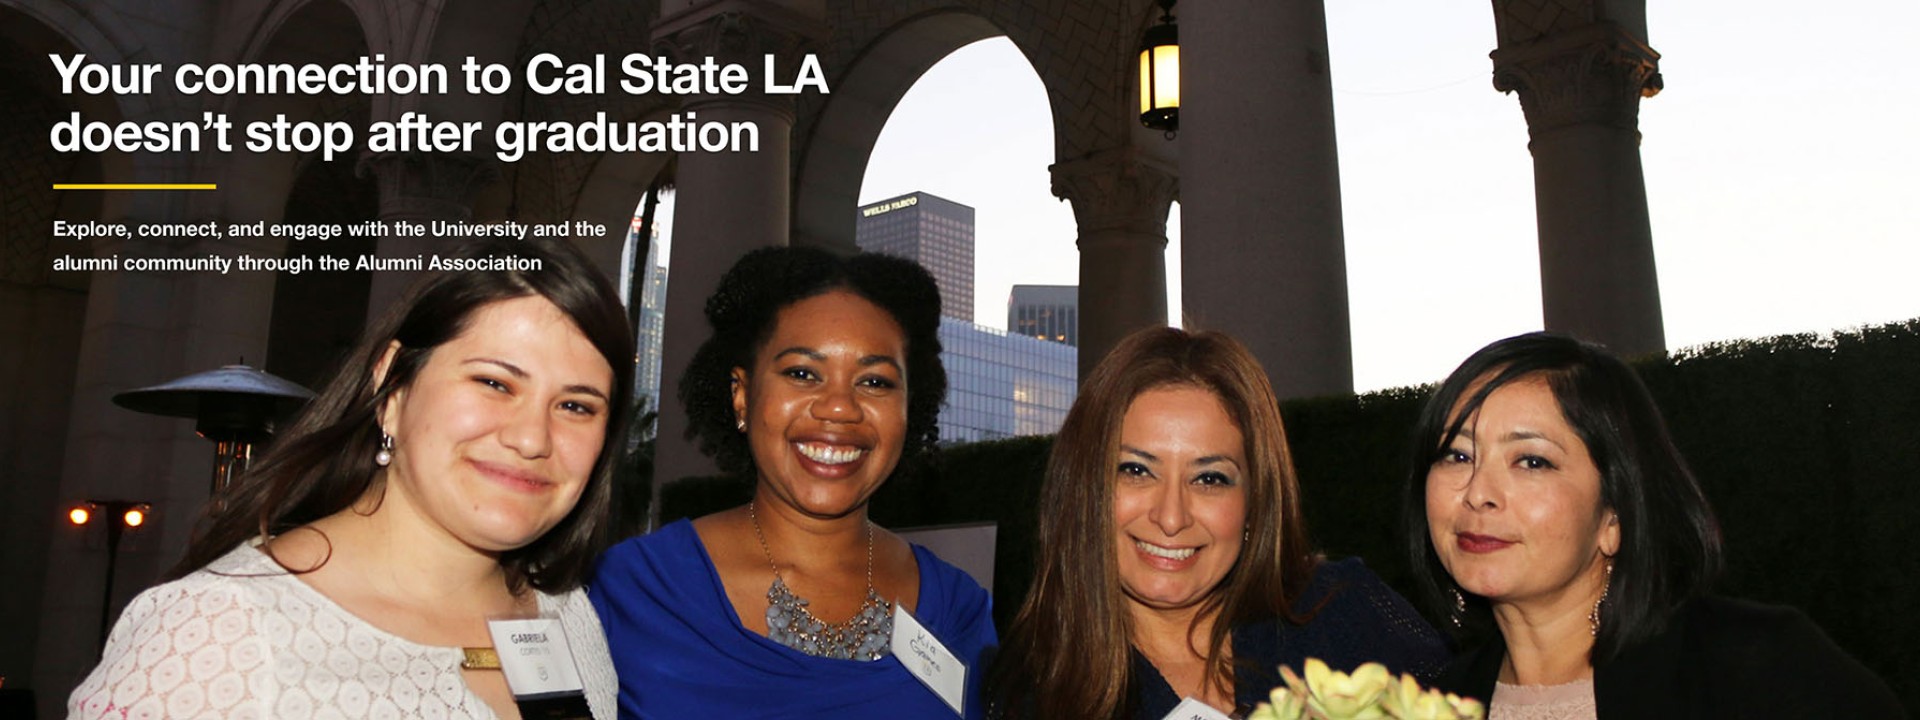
x,y
930,230
1048,312
651,323
1001,385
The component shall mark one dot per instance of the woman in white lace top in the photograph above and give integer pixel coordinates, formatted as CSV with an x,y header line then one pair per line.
x,y
457,470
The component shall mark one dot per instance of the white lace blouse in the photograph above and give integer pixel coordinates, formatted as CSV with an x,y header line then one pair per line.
x,y
243,638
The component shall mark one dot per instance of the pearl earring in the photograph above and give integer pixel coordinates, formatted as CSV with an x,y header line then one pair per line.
x,y
385,455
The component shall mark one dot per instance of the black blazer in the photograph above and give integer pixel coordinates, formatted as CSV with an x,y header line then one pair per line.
x,y
1717,658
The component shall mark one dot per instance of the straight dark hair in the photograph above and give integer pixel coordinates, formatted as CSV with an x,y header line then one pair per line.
x,y
1069,650
323,464
1669,541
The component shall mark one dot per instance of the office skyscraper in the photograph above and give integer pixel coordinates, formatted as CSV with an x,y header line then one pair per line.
x,y
651,289
930,230
1048,312
999,384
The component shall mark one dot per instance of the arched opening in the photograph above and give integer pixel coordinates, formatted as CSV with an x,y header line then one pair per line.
x,y
958,181
316,315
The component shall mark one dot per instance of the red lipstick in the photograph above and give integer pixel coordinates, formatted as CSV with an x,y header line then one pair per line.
x,y
1475,543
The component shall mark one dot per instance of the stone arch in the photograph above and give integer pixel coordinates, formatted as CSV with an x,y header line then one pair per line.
x,y
43,26
489,32
608,195
314,316
317,315
832,160
268,178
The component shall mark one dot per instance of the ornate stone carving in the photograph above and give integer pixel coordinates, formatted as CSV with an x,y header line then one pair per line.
x,y
1117,190
1523,21
1595,75
428,185
740,32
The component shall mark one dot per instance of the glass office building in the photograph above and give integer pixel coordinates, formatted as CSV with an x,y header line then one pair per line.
x,y
930,230
1048,312
1001,385
652,291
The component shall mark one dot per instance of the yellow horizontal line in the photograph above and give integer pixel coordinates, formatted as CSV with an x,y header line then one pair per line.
x,y
135,186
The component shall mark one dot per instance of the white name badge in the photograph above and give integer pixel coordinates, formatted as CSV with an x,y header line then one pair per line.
x,y
535,657
1191,709
929,660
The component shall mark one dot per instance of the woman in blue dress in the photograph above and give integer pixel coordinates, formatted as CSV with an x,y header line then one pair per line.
x,y
822,374
1174,569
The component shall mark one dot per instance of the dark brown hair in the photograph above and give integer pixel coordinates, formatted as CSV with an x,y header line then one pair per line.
x,y
1068,651
324,463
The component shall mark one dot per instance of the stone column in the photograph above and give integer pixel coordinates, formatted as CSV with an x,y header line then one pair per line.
x,y
725,203
420,188
1262,251
1120,203
1581,90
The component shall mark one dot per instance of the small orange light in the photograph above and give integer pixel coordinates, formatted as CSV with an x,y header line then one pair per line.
x,y
134,517
79,516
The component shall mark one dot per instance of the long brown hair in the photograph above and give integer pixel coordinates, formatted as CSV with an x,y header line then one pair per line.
x,y
324,462
1068,653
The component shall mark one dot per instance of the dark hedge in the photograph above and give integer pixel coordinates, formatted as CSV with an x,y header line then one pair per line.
x,y
1808,447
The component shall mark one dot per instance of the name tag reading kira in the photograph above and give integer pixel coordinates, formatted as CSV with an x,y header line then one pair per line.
x,y
929,660
1191,709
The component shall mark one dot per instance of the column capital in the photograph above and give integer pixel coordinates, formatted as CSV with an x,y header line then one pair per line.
x,y
740,32
1117,190
1593,75
428,185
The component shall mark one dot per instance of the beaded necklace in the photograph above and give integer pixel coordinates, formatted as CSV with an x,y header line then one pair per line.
x,y
865,636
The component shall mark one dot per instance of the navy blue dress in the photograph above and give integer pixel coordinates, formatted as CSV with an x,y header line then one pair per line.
x,y
1359,620
681,651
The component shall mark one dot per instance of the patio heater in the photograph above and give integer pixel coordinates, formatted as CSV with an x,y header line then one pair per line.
x,y
233,406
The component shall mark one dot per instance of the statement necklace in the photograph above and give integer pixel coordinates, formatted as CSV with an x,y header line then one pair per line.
x,y
865,636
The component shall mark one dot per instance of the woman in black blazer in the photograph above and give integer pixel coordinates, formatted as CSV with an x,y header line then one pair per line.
x,y
1552,517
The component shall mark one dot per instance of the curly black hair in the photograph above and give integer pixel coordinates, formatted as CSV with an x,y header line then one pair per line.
x,y
742,312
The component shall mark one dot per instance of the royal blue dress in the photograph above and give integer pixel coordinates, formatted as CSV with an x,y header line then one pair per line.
x,y
681,651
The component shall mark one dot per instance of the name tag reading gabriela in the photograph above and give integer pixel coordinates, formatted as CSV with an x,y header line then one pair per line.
x,y
538,664
929,660
1191,709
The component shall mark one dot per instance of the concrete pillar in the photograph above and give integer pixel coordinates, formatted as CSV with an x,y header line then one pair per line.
x,y
725,203
420,188
1263,255
1581,90
1120,203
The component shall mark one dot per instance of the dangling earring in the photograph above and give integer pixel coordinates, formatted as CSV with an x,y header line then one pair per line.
x,y
1593,618
1459,606
385,455
740,424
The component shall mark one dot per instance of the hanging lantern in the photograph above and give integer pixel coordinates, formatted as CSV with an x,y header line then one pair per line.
x,y
1160,74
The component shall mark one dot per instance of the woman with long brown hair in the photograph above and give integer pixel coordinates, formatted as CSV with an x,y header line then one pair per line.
x,y
1173,558
455,473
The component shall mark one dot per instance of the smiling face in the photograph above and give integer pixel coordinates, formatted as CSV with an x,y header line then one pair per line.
x,y
825,403
496,437
1513,504
1180,497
